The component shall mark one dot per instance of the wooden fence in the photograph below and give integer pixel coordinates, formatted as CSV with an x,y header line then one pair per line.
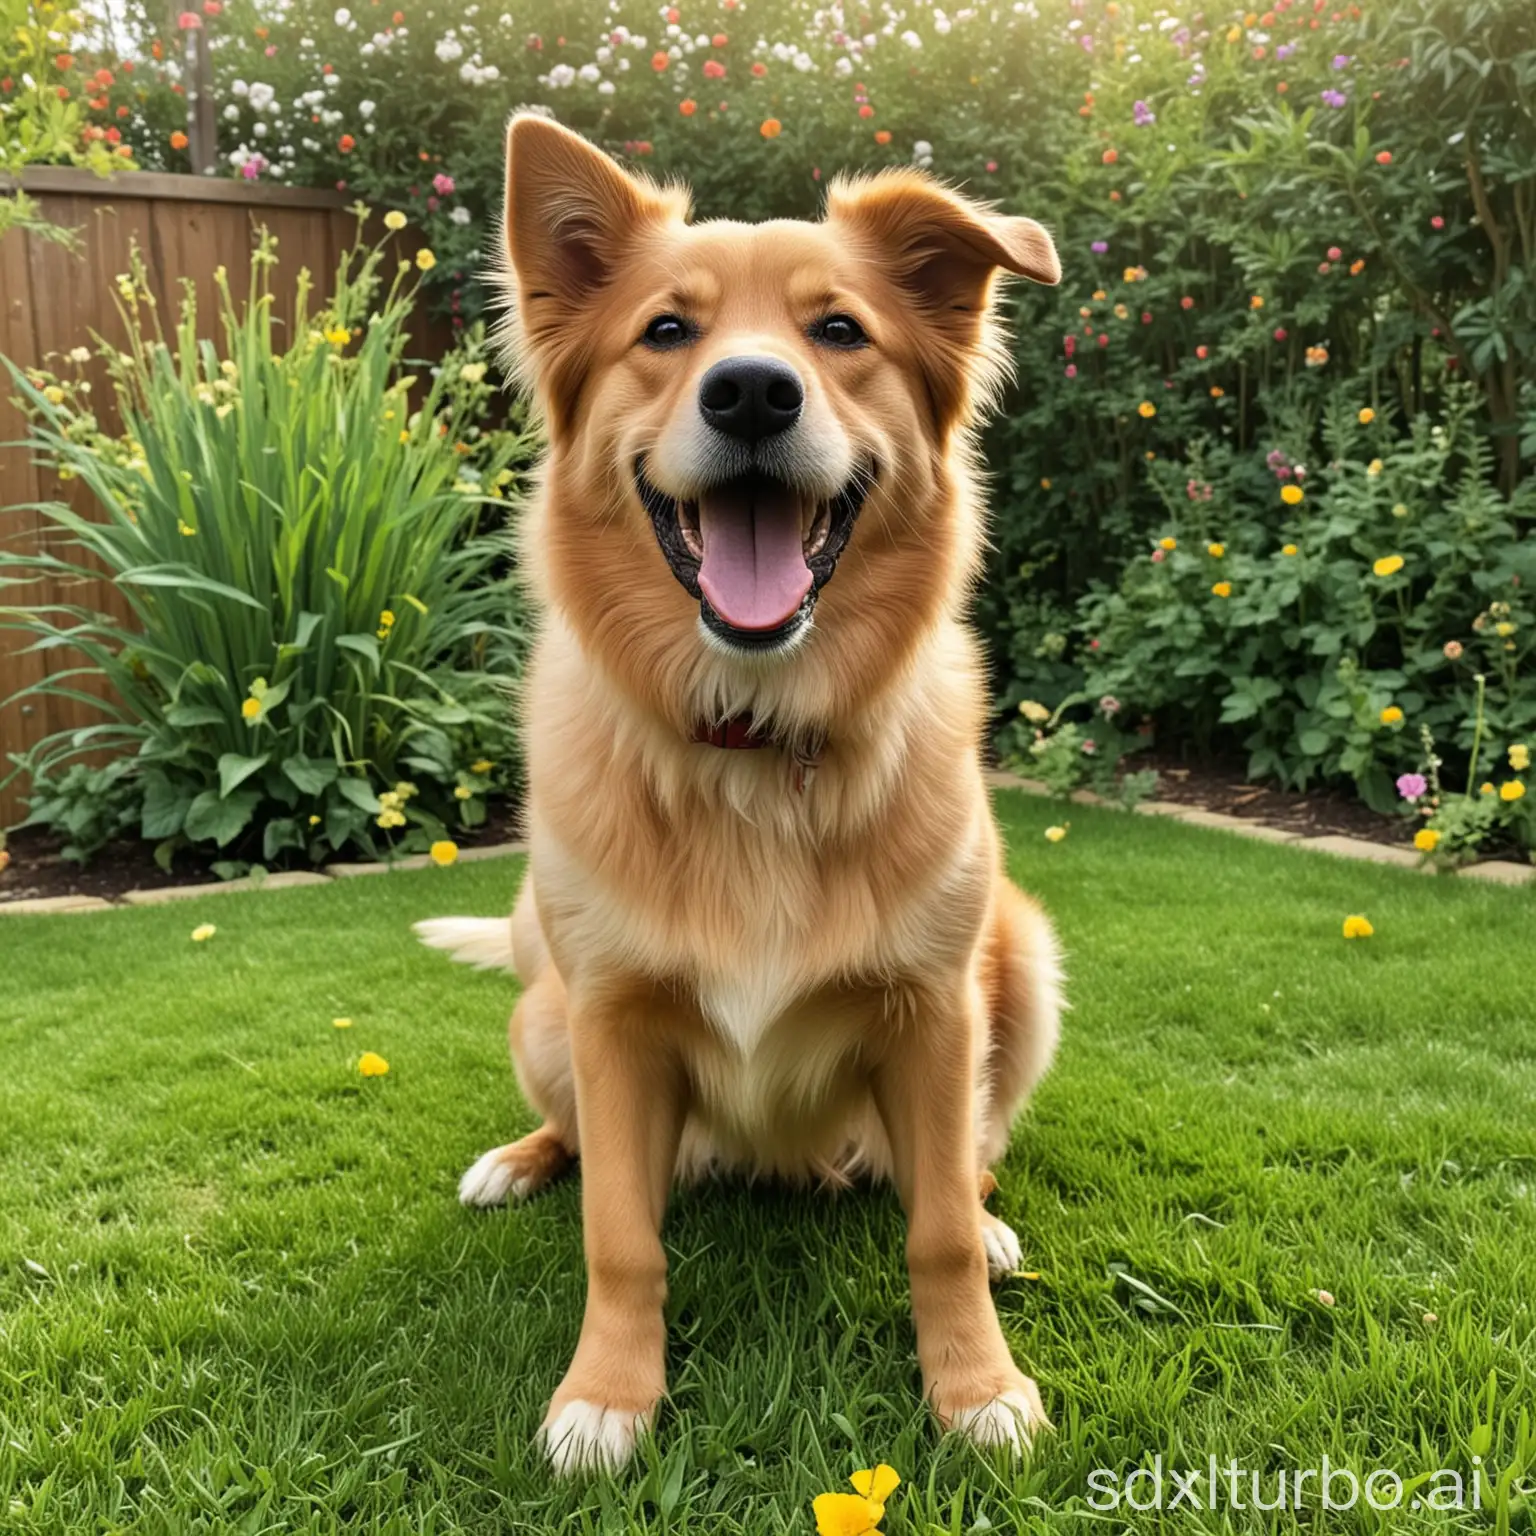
x,y
52,300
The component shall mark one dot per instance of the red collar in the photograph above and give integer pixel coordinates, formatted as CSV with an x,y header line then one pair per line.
x,y
739,733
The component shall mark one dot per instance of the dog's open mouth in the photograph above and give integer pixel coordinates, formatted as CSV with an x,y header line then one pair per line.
x,y
754,550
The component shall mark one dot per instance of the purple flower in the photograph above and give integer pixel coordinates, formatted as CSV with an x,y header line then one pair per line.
x,y
1341,61
1335,99
1411,786
1099,247
1143,114
1285,50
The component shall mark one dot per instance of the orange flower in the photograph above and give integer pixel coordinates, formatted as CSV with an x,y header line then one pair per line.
x,y
1384,158
660,60
882,136
1111,156
771,128
688,107
759,69
346,144
719,40
178,140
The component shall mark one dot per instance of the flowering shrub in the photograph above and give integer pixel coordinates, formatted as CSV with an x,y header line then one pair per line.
x,y
1269,217
310,541
1068,754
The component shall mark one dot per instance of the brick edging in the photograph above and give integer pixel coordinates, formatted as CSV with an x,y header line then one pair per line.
x,y
283,880
1495,871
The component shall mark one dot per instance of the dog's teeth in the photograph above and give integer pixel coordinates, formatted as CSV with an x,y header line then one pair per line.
x,y
820,528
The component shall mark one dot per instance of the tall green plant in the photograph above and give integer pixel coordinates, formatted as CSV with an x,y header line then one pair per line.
x,y
311,542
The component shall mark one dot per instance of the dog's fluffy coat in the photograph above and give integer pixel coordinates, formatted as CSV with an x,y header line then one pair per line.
x,y
723,966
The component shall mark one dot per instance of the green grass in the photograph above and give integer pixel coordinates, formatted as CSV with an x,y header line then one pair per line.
x,y
237,1293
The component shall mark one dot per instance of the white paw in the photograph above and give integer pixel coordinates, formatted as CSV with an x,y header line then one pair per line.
x,y
1010,1420
490,1182
587,1437
1004,1255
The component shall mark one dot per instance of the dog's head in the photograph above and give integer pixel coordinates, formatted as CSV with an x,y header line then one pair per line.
x,y
740,413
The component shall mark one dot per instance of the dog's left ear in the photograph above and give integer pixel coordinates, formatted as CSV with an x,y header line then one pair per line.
x,y
943,253
943,249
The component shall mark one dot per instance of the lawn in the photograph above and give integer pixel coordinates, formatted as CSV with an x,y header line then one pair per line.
x,y
237,1292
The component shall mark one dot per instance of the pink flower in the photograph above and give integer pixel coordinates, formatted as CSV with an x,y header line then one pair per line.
x,y
1437,222
1071,370
1090,747
1411,786
1452,650
1335,254
442,185
991,165
1110,705
189,21
1158,556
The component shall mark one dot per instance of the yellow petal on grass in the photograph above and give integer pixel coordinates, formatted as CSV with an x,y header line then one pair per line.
x,y
1055,834
877,1483
203,932
371,1064
341,1023
443,853
845,1514
1357,927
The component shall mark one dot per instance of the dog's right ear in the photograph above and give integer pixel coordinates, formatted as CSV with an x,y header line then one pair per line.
x,y
571,213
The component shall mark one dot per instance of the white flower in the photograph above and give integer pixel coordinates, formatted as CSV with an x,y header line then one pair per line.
x,y
604,55
343,17
804,63
260,130
332,81
702,40
922,152
262,95
80,354
449,48
843,67
590,73
231,113
942,24
605,88
561,75
366,108
460,215
238,88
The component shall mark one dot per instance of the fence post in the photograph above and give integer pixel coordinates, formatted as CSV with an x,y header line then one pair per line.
x,y
202,124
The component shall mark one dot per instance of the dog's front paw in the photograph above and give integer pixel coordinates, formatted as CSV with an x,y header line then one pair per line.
x,y
1011,1419
1004,1254
587,1437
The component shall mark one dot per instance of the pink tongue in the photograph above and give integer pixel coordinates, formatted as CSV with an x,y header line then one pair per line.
x,y
754,572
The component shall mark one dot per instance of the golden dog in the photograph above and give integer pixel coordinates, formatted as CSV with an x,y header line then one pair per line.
x,y
766,925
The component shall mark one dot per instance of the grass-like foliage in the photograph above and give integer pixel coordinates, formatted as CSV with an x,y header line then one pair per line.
x,y
239,1294
311,542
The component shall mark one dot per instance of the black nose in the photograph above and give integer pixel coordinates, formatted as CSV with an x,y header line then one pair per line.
x,y
751,397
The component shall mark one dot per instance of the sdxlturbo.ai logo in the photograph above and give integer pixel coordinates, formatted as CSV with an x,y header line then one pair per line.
x,y
1233,1486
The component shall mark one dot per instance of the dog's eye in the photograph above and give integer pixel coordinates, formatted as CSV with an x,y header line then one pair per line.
x,y
838,331
666,332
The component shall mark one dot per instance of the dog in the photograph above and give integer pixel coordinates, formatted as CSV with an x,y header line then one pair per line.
x,y
765,926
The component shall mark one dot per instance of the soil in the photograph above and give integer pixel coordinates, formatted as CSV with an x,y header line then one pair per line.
x,y
1220,786
38,869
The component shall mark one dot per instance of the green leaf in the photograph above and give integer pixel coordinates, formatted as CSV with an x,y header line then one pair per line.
x,y
313,775
1314,742
184,716
234,769
219,818
363,645
165,807
357,791
282,832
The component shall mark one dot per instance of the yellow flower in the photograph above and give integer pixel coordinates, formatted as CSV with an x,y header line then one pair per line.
x,y
1485,788
425,260
1400,510
1367,416
1055,834
389,817
185,529
1519,757
1357,928
1375,467
443,853
405,436
1168,544
1391,715
472,373
386,619
394,219
1388,565
203,932
54,395
856,1514
485,765
314,821
251,709
1045,485
1292,495
1426,839
338,335
371,1064
405,789
1216,551
1146,410
1222,589
341,1023
460,792
1504,630
1511,790
1035,713
1290,549
1256,302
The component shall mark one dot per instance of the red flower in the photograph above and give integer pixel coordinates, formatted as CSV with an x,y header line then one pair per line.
x,y
688,107
1437,222
759,69
660,61
189,21
1281,333
719,40
674,15
866,110
1384,158
1111,156
103,78
346,144
1186,302
1202,353
714,69
212,7
882,136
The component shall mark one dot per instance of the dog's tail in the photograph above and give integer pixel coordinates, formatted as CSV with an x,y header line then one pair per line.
x,y
483,942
